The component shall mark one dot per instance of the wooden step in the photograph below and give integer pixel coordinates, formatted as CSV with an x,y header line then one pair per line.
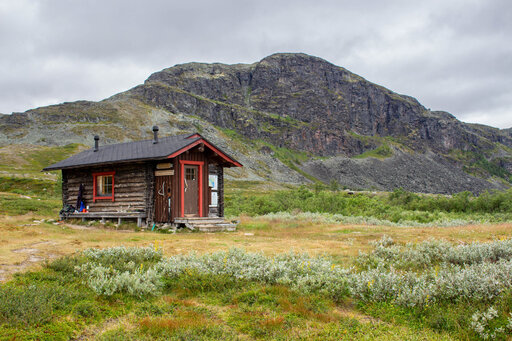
x,y
199,221
216,228
206,224
219,225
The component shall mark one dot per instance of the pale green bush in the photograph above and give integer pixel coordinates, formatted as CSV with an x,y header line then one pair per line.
x,y
108,281
124,254
484,324
121,269
472,272
417,274
428,253
298,271
331,218
476,282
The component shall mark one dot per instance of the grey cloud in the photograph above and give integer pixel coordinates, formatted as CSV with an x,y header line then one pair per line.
x,y
451,55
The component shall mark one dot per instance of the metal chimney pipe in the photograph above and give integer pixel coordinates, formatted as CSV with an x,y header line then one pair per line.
x,y
155,134
96,143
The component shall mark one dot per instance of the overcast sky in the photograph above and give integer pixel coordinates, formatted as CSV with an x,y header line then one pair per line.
x,y
451,55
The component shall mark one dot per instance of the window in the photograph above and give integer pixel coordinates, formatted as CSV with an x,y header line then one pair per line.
x,y
190,174
103,186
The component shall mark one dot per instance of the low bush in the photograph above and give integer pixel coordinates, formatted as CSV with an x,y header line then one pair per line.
x,y
85,309
118,256
107,281
488,324
299,271
434,252
34,304
397,207
478,272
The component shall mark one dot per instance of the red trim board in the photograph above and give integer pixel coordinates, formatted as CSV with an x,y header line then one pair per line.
x,y
182,185
221,154
184,149
209,145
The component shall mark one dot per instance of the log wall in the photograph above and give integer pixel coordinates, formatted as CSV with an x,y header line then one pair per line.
x,y
150,191
220,173
65,187
130,189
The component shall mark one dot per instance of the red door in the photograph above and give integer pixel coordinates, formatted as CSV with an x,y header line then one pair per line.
x,y
191,191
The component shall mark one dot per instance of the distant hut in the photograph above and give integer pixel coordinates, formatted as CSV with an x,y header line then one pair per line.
x,y
175,179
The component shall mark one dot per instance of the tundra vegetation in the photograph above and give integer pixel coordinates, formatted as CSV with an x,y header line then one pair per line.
x,y
306,263
429,290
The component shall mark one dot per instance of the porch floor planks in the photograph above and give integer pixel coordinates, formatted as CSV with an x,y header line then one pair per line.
x,y
108,215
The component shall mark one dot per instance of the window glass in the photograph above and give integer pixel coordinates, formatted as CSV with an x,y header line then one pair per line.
x,y
104,185
190,174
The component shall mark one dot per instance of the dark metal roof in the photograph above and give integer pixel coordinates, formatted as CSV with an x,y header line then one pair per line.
x,y
129,151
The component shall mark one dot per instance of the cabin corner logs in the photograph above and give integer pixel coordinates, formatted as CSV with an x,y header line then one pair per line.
x,y
189,185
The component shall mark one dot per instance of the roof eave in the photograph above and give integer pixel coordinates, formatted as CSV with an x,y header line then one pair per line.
x,y
200,140
106,163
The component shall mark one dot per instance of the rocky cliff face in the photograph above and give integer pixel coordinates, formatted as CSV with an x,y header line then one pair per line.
x,y
310,103
290,114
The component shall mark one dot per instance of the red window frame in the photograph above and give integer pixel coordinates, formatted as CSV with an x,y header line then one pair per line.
x,y
182,185
94,193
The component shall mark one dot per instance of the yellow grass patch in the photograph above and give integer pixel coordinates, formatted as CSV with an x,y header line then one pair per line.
x,y
25,241
179,320
179,302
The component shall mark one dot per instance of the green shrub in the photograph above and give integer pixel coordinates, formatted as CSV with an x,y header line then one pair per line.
x,y
85,309
194,282
31,305
66,265
124,259
398,206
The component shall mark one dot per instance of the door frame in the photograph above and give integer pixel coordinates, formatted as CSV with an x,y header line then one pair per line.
x,y
200,187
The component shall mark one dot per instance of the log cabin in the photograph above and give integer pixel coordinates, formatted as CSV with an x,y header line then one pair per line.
x,y
176,180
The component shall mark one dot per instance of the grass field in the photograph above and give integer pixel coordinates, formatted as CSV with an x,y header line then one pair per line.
x,y
370,275
199,307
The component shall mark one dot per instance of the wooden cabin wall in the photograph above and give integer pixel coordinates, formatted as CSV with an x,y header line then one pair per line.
x,y
220,174
213,211
175,191
149,176
219,171
65,187
130,188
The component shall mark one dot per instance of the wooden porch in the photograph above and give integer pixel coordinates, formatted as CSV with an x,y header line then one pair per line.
x,y
107,215
206,224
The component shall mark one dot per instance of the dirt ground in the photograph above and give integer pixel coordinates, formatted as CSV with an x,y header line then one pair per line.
x,y
26,241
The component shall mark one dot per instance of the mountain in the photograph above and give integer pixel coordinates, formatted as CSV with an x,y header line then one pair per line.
x,y
289,118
